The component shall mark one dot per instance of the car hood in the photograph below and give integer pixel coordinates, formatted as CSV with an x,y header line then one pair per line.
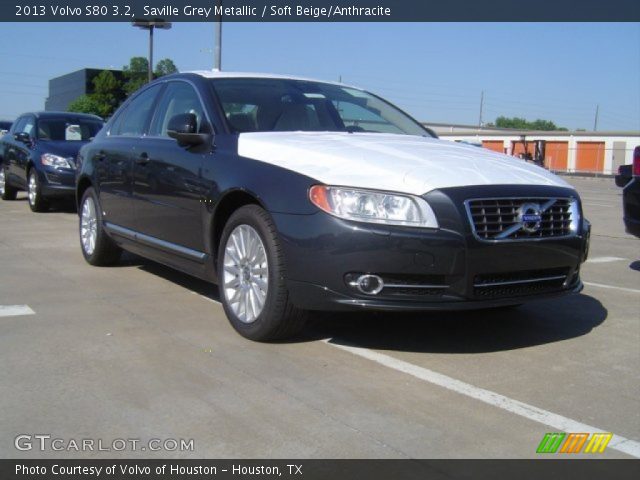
x,y
62,148
400,163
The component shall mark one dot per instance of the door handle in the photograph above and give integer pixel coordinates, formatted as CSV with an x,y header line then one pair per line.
x,y
143,159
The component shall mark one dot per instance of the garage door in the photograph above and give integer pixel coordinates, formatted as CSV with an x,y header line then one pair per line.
x,y
518,147
556,155
590,157
495,145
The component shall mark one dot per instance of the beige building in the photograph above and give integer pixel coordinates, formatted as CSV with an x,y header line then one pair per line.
x,y
584,152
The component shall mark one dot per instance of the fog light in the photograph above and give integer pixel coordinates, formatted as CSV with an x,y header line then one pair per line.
x,y
369,284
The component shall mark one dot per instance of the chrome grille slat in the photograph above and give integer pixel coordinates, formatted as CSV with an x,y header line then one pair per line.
x,y
497,219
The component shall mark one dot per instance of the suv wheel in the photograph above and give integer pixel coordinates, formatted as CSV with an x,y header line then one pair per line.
x,y
36,201
98,249
252,278
7,192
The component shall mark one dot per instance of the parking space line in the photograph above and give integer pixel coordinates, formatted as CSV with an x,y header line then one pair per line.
x,y
612,287
15,310
555,421
605,259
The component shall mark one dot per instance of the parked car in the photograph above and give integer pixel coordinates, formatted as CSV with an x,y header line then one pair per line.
x,y
296,195
624,175
39,155
631,197
4,126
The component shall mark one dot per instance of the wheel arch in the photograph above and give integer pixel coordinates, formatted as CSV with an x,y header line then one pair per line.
x,y
229,203
82,185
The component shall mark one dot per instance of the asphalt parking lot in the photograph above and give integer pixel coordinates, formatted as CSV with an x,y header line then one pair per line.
x,y
139,351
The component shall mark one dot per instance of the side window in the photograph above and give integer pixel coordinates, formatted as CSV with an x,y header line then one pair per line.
x,y
18,124
179,97
29,126
134,119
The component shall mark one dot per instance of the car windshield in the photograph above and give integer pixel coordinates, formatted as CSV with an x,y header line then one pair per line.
x,y
68,129
284,105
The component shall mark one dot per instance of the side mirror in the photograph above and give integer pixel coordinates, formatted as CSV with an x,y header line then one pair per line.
x,y
23,137
183,127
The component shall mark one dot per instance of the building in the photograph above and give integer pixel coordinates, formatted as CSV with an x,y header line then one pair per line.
x,y
574,152
65,89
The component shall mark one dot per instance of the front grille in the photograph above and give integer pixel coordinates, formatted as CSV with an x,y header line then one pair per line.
x,y
515,284
499,219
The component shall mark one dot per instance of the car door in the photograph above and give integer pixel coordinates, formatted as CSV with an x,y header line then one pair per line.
x,y
168,187
113,157
9,150
21,153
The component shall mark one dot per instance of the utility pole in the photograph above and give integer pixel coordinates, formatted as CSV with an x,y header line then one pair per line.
x,y
481,105
595,122
217,61
151,25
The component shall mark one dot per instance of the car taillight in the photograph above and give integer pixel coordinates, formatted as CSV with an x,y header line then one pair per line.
x,y
636,162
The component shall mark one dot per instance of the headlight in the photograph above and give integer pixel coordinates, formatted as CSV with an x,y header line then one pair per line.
x,y
372,206
55,161
574,210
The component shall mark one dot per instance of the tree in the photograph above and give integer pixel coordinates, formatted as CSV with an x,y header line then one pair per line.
x,y
165,67
84,104
523,124
107,92
135,74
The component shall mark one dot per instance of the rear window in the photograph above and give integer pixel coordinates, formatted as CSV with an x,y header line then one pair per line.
x,y
68,129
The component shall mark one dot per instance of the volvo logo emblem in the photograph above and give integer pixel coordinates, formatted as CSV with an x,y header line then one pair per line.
x,y
530,217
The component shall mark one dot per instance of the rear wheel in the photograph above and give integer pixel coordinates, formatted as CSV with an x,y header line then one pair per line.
x,y
253,278
37,202
7,192
97,248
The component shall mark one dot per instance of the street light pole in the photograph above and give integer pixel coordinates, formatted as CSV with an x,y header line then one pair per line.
x,y
150,66
151,25
217,60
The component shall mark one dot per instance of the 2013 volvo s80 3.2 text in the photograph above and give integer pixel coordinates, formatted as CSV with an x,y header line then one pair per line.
x,y
296,195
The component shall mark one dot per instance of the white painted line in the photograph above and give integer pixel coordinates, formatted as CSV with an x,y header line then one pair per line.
x,y
596,204
605,259
612,287
557,422
15,310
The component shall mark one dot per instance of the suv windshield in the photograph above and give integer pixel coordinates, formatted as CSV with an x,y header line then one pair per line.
x,y
284,105
68,129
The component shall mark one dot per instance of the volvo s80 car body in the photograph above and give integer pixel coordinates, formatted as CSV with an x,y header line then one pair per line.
x,y
296,195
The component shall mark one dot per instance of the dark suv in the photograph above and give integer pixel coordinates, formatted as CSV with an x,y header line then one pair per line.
x,y
295,195
39,155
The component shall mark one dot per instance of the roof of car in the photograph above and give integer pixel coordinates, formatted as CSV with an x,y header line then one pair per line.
x,y
55,114
225,74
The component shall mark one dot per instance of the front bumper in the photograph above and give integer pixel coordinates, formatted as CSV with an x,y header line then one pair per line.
x,y
429,269
57,182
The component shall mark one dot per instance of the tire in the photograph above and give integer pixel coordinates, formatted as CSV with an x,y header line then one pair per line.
x,y
97,247
7,192
242,278
37,202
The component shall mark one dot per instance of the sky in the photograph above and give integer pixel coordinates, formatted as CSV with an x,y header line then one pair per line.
x,y
435,71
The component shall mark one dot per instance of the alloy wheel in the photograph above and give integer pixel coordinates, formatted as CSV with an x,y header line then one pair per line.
x,y
33,189
88,226
2,180
246,273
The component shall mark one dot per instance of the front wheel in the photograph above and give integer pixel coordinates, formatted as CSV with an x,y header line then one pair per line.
x,y
252,277
97,248
7,192
37,202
